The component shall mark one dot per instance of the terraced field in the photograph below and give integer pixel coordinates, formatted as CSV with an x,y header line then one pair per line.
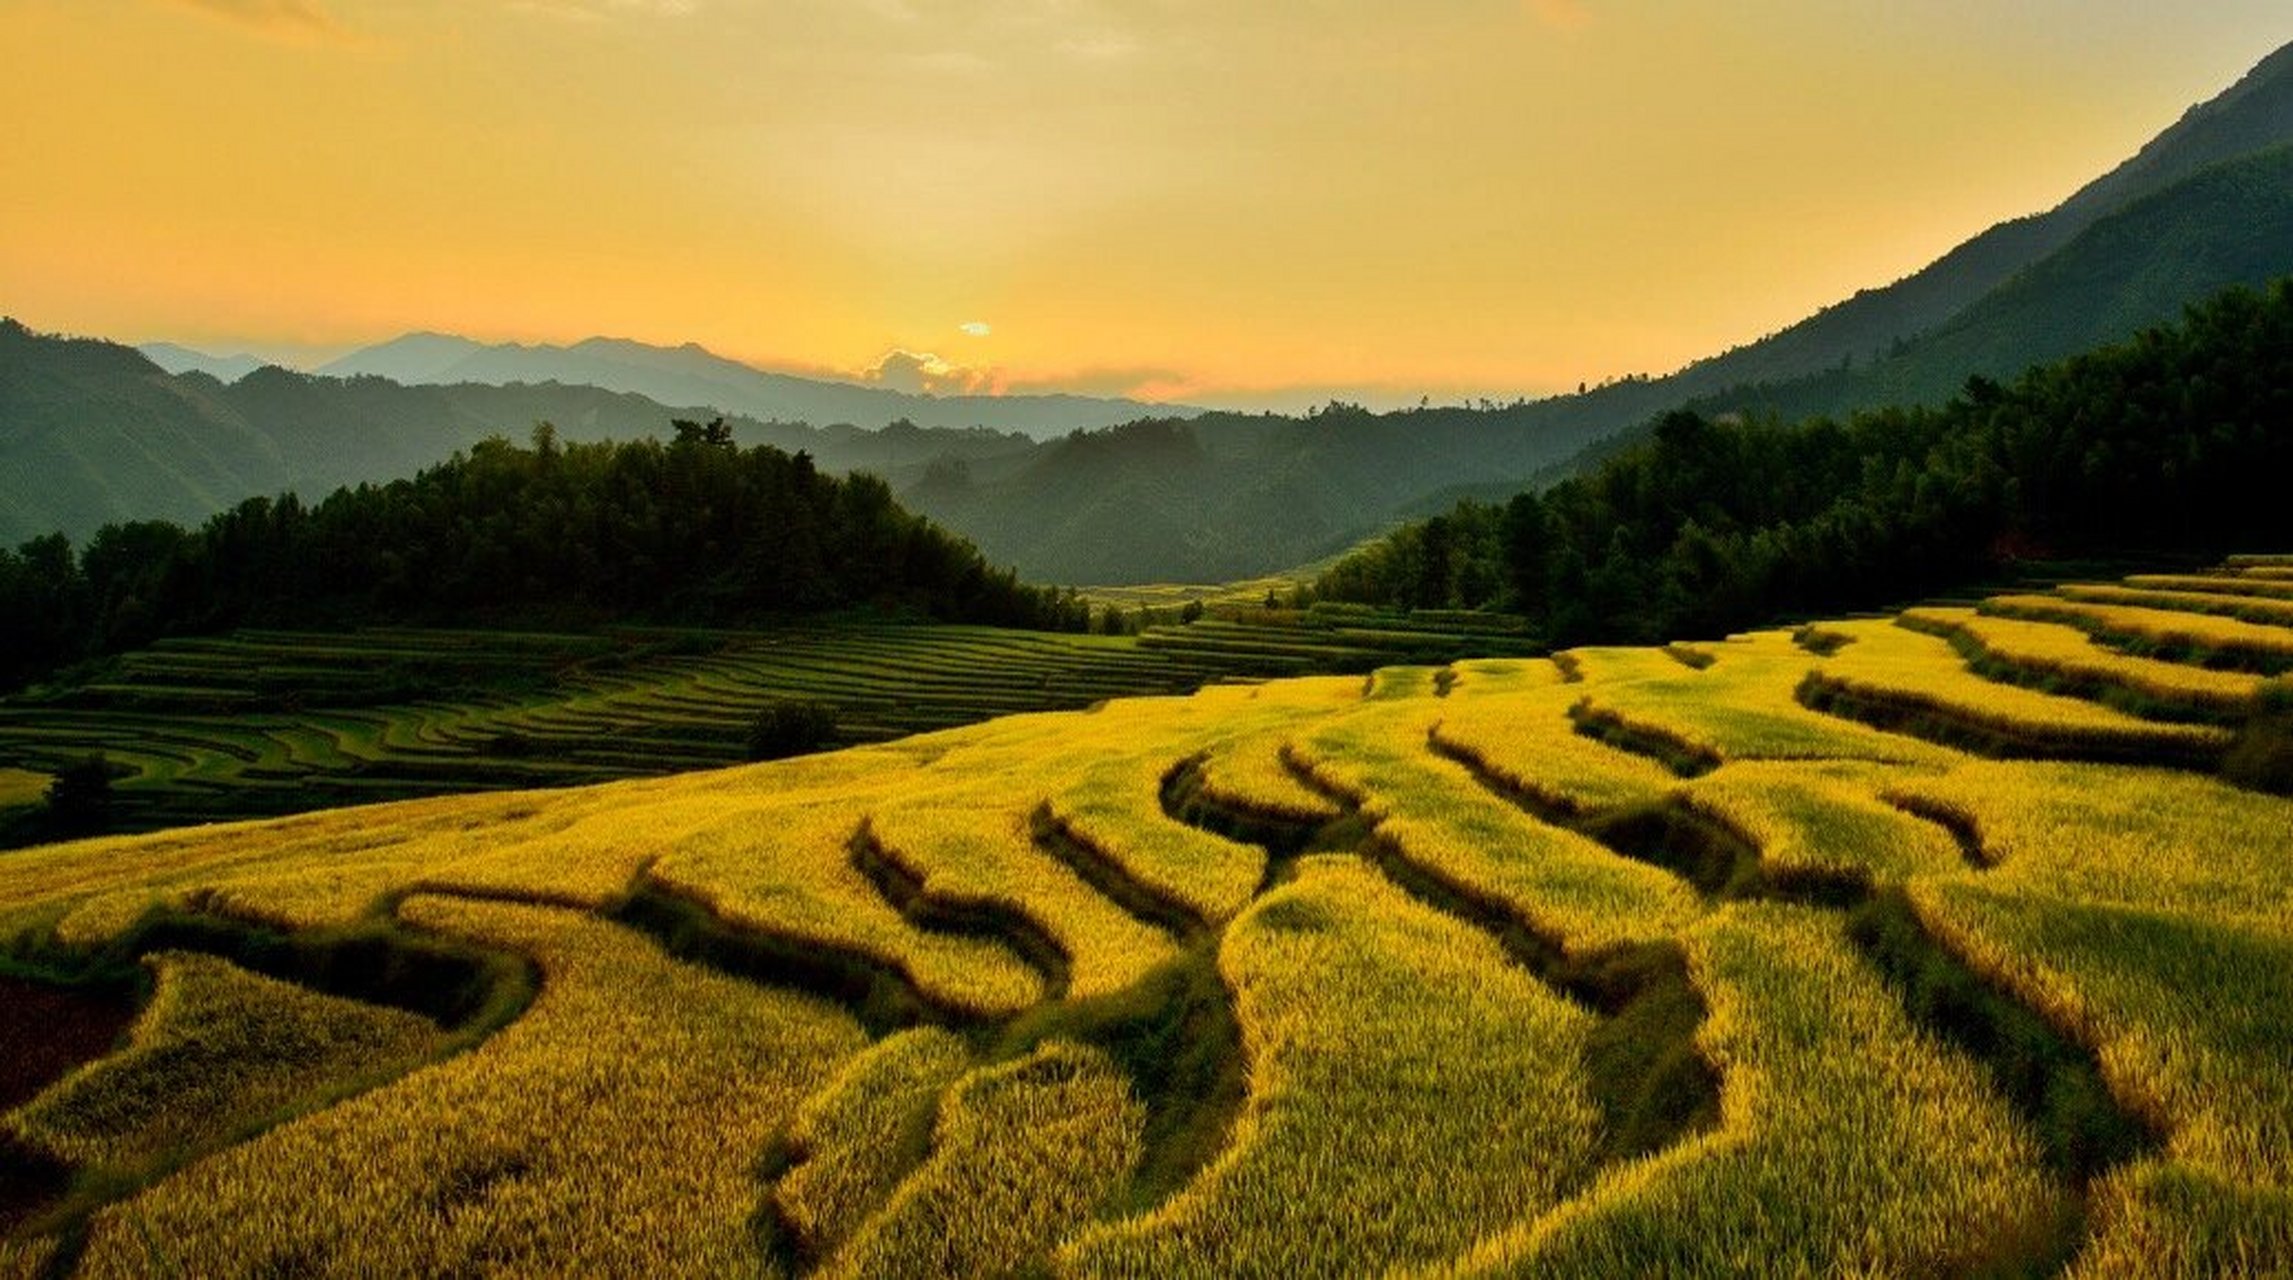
x,y
266,723
1934,945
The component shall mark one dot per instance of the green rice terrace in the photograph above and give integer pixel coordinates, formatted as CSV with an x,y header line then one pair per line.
x,y
1951,943
272,722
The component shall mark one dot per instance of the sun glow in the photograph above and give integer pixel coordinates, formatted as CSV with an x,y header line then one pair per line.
x,y
1482,196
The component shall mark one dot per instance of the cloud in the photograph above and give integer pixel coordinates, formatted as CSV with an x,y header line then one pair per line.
x,y
975,328
286,19
922,373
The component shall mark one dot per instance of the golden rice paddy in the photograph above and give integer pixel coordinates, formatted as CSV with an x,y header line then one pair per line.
x,y
1732,958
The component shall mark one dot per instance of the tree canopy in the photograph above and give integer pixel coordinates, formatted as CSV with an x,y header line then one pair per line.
x,y
2178,440
695,531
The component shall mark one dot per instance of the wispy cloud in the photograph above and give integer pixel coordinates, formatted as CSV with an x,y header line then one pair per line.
x,y
282,19
975,328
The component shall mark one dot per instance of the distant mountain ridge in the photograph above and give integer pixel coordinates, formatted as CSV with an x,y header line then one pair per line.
x,y
92,433
693,375
2253,115
2140,265
1173,495
180,359
2203,206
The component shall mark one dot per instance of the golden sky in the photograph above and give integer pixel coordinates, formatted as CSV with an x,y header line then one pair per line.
x,y
1186,199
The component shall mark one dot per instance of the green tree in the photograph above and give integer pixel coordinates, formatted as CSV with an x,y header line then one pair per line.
x,y
791,727
79,797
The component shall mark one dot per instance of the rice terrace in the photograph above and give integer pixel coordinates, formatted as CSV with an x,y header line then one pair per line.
x,y
1931,944
1020,639
259,723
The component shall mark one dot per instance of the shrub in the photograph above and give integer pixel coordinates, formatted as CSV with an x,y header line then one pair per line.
x,y
79,797
791,728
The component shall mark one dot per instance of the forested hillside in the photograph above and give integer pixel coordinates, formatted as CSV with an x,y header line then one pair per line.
x,y
695,531
1712,526
93,433
2204,206
1224,497
2230,225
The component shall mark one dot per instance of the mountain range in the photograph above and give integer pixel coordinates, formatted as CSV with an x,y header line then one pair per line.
x,y
690,375
2205,205
93,433
90,432
176,358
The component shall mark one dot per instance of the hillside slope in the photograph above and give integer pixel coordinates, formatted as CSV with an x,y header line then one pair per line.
x,y
91,432
2165,444
1856,951
94,433
2200,208
2256,114
1224,496
2139,266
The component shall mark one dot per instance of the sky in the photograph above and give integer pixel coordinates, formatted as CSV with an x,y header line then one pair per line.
x,y
1246,202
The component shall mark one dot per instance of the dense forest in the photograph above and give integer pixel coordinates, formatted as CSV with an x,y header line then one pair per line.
x,y
693,531
2180,440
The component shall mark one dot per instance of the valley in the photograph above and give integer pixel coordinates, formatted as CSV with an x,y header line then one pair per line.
x,y
1146,640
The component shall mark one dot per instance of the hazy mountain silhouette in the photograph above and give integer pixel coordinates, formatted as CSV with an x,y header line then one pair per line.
x,y
693,375
180,359
92,432
415,357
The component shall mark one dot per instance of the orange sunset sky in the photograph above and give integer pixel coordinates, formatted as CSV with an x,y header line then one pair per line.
x,y
1220,202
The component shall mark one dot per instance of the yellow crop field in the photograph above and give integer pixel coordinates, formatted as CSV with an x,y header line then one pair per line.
x,y
1023,1152
2250,600
1827,820
2236,584
1344,986
1953,943
855,1140
2051,653
1827,1160
1517,728
1888,667
551,1142
2218,628
216,1048
1744,706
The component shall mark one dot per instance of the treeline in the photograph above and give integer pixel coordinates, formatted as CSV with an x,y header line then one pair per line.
x,y
694,531
2179,440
